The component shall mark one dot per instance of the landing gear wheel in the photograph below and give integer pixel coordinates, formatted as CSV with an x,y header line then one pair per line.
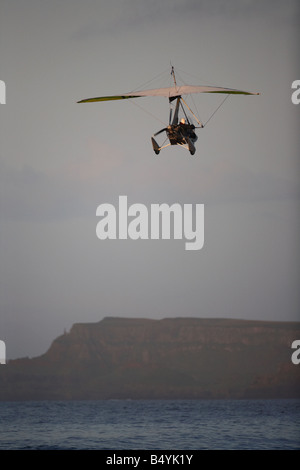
x,y
155,146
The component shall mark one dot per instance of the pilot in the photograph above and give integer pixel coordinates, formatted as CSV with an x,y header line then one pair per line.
x,y
182,121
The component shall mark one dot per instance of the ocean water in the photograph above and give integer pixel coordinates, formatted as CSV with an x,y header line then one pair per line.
x,y
150,425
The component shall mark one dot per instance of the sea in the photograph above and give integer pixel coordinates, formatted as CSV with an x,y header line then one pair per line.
x,y
156,425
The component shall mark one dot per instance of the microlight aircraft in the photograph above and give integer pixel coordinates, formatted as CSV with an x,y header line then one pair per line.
x,y
179,131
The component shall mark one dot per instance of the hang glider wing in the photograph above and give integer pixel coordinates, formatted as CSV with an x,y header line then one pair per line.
x,y
170,92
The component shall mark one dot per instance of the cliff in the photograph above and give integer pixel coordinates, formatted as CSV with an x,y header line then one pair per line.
x,y
169,358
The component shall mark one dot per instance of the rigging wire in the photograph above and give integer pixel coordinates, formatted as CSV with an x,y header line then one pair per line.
x,y
147,112
197,115
151,80
194,104
194,76
142,86
227,96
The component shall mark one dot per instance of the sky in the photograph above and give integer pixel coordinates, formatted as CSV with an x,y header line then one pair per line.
x,y
60,160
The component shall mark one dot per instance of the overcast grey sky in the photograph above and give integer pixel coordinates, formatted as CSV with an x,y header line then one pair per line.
x,y
60,160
